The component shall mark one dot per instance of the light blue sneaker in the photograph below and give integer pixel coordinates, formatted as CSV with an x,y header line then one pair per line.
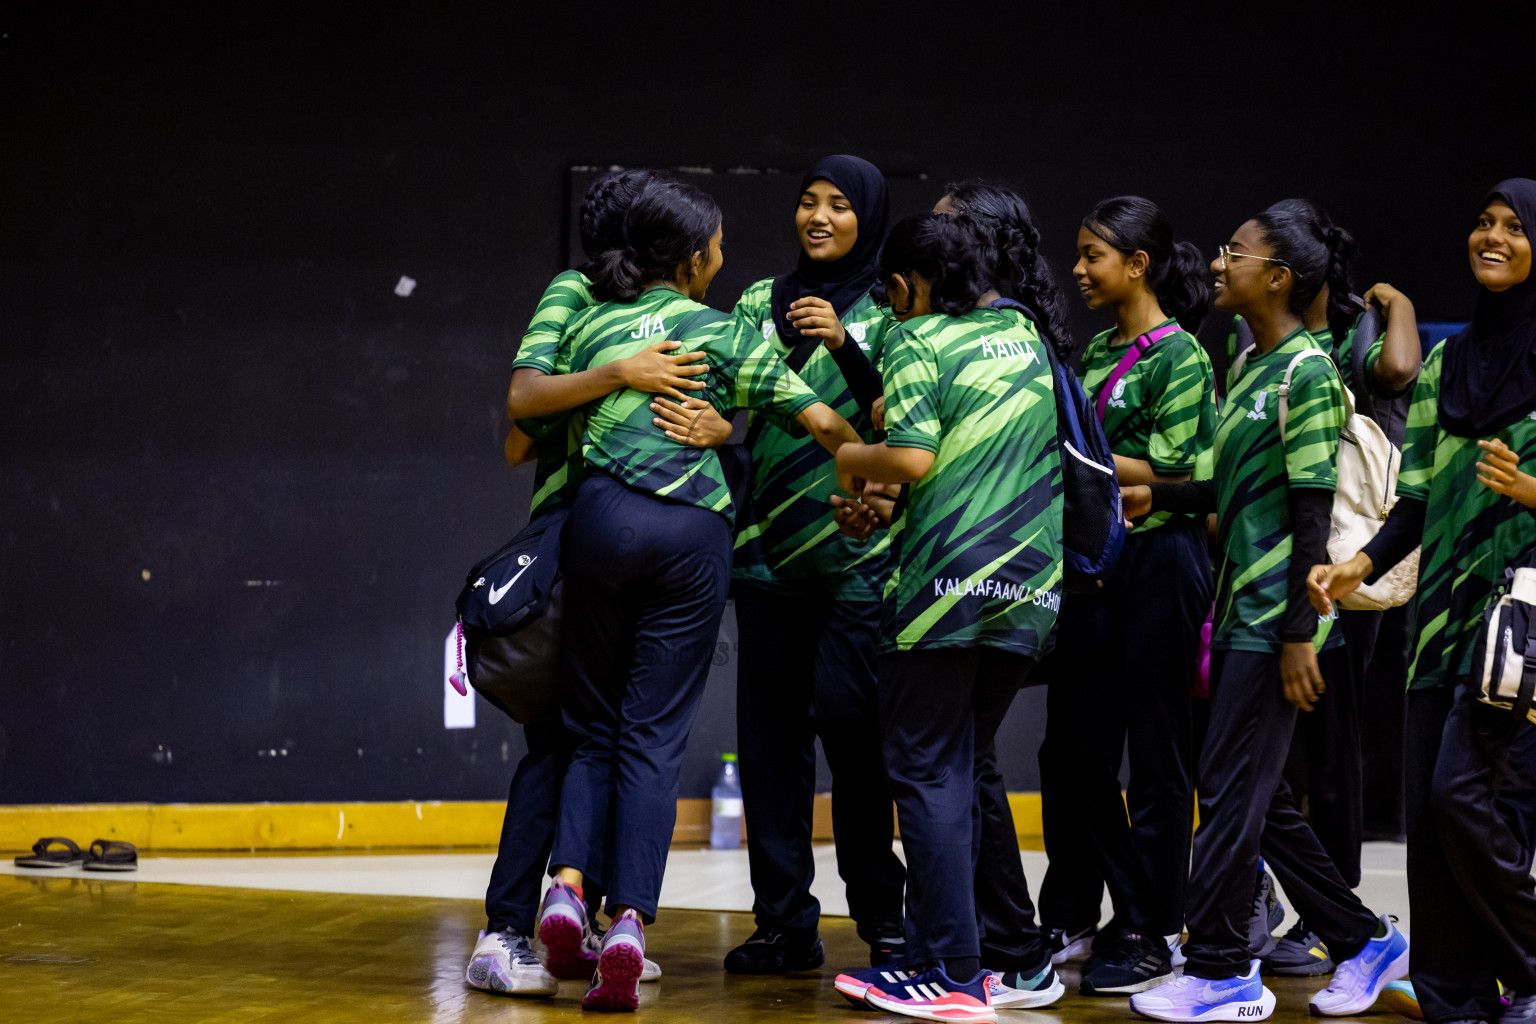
x,y
1358,982
1190,999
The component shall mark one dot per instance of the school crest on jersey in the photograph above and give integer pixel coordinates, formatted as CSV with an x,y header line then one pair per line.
x,y
1117,396
1258,412
857,333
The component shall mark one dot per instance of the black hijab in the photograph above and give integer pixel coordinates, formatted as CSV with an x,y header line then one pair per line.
x,y
841,282
1488,376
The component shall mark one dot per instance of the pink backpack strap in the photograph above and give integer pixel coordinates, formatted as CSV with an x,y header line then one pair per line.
x,y
1136,350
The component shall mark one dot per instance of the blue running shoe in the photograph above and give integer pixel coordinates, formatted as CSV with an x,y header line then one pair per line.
x,y
853,984
1190,999
1358,982
934,995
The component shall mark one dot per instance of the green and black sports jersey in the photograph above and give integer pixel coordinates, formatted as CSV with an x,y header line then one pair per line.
x,y
1343,356
1163,411
790,535
620,437
978,549
1254,471
557,455
1471,534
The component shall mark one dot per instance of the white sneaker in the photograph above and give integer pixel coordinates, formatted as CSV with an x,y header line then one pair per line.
x,y
1357,982
650,972
1011,990
503,962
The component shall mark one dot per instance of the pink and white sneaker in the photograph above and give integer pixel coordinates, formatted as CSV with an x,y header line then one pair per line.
x,y
616,985
565,934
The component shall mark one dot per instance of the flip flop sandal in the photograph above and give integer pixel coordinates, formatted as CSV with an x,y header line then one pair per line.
x,y
111,855
51,852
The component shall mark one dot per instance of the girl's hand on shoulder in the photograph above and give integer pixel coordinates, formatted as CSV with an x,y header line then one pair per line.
x,y
692,421
815,318
1499,471
1299,675
656,371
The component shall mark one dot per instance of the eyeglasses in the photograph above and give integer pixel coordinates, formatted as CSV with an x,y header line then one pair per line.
x,y
1226,254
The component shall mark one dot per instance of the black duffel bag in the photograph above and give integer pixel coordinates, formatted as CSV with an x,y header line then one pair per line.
x,y
509,622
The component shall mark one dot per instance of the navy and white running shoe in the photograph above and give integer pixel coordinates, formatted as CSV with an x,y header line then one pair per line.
x,y
853,984
934,995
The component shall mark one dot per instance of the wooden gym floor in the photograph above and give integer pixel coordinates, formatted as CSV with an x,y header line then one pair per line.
x,y
120,950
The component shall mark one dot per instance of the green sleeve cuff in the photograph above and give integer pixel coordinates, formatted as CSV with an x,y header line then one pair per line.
x,y
911,439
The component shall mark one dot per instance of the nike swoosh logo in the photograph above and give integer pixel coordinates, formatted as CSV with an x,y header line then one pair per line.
x,y
497,593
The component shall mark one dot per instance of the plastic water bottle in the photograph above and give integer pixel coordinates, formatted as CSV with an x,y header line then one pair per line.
x,y
725,814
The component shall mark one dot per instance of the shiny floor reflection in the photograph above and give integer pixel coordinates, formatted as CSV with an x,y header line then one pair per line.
x,y
129,951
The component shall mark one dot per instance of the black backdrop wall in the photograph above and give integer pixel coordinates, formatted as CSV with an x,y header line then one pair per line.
x,y
240,476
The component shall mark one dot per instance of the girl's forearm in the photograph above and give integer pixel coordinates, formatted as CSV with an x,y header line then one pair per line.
x,y
883,464
534,393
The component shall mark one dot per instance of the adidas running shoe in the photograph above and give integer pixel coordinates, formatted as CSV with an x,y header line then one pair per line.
x,y
1299,953
934,995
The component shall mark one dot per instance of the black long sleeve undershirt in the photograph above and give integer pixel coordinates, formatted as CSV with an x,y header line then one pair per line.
x,y
1401,533
1311,511
1193,497
864,381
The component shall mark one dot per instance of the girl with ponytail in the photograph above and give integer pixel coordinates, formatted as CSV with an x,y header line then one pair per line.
x,y
645,562
1326,762
539,390
1272,491
503,960
971,421
1125,655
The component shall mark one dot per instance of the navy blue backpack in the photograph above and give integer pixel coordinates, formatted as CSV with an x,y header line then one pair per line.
x,y
1093,528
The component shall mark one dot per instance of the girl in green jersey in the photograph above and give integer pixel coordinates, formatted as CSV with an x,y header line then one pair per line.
x,y
808,598
1471,771
1125,656
645,561
1272,492
975,590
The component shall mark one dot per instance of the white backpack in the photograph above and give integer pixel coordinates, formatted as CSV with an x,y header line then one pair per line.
x,y
1366,492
